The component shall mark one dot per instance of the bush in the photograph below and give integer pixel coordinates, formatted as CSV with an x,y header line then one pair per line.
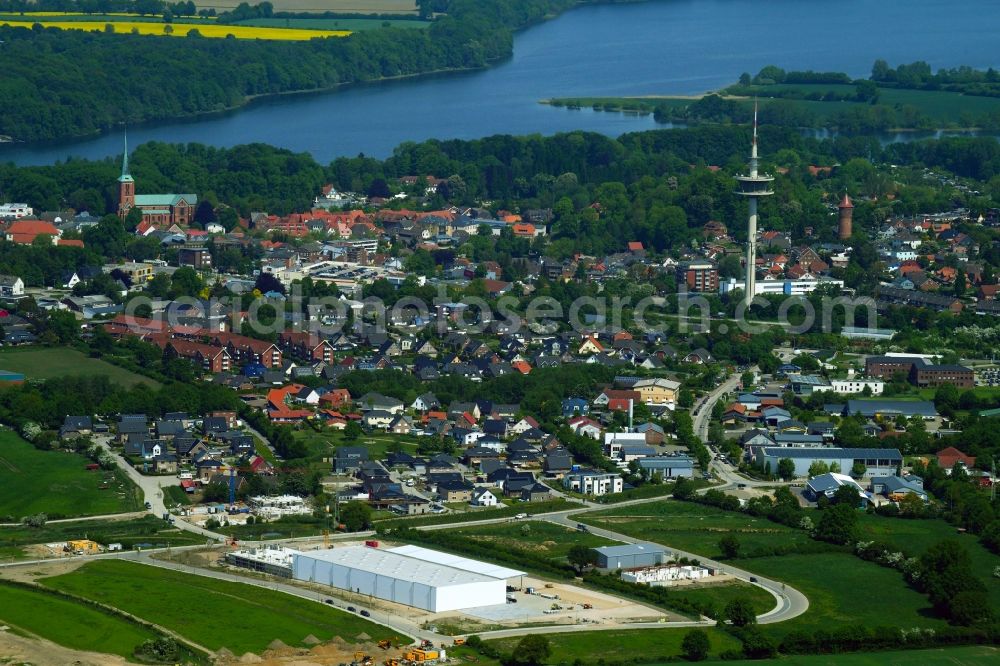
x,y
160,650
695,645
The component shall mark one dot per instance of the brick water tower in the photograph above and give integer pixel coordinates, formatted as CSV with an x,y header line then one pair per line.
x,y
846,215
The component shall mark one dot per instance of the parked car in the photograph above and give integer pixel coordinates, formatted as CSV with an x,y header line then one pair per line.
x,y
328,601
365,613
352,609
753,579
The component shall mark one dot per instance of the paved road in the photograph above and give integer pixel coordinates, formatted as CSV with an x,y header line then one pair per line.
x,y
152,490
789,601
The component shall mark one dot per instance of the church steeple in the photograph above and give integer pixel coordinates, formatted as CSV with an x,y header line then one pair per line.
x,y
126,176
126,186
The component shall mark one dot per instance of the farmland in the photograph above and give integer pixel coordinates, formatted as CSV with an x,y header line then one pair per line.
x,y
399,7
181,29
80,626
56,483
46,363
351,24
242,618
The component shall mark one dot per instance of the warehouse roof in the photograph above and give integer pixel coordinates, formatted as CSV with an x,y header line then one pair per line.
x,y
414,564
630,549
395,565
456,562
828,453
905,407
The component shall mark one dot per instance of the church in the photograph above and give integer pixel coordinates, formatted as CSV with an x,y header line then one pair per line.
x,y
161,210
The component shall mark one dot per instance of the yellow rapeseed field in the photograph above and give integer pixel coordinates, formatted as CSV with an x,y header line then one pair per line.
x,y
181,29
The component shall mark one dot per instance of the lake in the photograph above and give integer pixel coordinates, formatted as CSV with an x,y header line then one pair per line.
x,y
662,47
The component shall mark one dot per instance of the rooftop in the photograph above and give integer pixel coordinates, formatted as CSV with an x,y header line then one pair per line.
x,y
415,564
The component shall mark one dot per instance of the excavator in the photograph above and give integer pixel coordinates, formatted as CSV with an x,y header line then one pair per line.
x,y
363,659
385,644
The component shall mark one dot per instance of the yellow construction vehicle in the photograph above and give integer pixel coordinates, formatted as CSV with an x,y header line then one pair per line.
x,y
420,655
392,662
459,641
385,644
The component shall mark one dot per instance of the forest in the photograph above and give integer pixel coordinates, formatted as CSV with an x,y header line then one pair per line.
x,y
70,83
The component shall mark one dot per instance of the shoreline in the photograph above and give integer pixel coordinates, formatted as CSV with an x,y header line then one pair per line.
x,y
563,102
260,98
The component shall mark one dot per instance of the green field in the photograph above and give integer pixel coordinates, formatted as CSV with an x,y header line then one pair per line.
x,y
148,531
843,589
352,24
695,527
537,537
213,613
981,655
641,645
79,626
915,536
324,444
49,362
57,484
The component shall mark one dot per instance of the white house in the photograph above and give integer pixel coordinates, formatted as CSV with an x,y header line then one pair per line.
x,y
592,482
588,427
11,286
483,497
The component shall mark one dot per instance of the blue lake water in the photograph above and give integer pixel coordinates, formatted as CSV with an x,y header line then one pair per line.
x,y
662,47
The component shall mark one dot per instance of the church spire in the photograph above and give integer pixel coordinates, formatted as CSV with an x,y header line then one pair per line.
x,y
126,176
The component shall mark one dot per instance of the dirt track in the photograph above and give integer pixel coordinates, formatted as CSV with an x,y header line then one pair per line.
x,y
39,652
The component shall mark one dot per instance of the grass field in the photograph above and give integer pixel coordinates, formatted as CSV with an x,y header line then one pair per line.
x,y
180,29
916,536
136,531
694,527
980,655
79,626
642,645
323,444
46,363
212,613
351,24
843,589
56,483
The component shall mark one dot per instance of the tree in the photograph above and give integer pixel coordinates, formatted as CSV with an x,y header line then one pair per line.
x,y
858,469
356,516
729,545
352,431
739,612
695,645
786,469
686,399
581,557
532,650
817,468
837,524
846,494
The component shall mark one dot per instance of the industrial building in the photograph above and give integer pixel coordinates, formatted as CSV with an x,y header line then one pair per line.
x,y
630,556
274,560
409,575
877,462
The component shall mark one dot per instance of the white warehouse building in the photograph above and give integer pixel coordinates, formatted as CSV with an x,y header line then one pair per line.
x,y
408,575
